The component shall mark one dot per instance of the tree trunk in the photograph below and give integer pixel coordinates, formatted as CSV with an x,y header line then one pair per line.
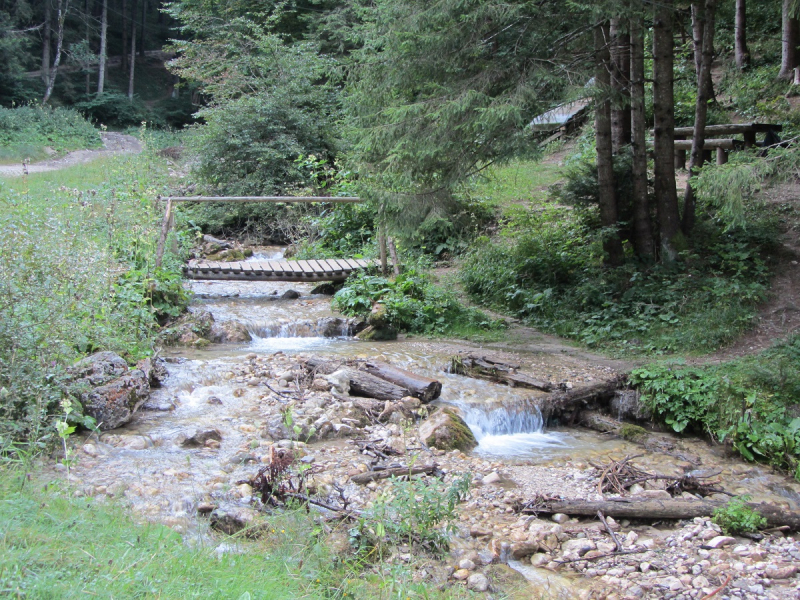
x,y
788,41
605,166
655,510
706,9
620,82
125,36
698,31
46,42
568,404
101,71
642,225
670,237
740,35
424,388
87,38
370,386
132,65
365,478
144,27
63,8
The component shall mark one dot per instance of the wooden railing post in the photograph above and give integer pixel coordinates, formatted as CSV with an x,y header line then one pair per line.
x,y
166,225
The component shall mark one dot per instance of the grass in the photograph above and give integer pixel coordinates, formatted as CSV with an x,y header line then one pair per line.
x,y
76,276
54,545
519,183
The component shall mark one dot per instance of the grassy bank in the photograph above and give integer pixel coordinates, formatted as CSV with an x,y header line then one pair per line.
x,y
76,275
54,545
37,133
750,402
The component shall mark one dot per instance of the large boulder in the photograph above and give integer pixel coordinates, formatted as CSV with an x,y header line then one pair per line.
x,y
108,390
446,430
229,332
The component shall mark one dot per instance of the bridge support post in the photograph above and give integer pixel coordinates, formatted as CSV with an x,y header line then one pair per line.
x,y
166,225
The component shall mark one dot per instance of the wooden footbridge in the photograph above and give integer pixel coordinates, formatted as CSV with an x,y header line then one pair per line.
x,y
266,270
278,270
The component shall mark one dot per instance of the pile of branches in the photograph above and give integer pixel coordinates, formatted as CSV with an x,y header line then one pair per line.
x,y
619,476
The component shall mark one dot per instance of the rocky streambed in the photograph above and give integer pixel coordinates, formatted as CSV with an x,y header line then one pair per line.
x,y
225,410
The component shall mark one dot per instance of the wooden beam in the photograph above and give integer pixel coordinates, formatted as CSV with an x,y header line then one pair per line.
x,y
284,199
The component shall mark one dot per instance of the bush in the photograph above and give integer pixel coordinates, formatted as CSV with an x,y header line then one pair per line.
x,y
412,304
736,517
117,110
750,402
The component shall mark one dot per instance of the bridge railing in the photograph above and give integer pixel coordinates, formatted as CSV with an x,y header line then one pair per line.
x,y
168,222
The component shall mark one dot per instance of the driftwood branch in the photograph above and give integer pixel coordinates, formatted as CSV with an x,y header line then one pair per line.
x,y
365,478
484,367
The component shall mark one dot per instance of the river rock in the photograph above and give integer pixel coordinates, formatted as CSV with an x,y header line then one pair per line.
x,y
720,541
520,550
231,520
446,430
109,391
780,571
192,329
229,332
290,295
199,438
477,582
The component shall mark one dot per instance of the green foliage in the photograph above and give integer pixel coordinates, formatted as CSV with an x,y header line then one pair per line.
x,y
116,109
76,276
415,511
411,303
26,130
736,517
757,93
546,267
749,402
274,104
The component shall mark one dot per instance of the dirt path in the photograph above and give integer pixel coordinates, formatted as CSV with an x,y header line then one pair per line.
x,y
113,143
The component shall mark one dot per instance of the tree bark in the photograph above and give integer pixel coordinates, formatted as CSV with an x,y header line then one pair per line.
x,y
101,71
605,166
424,388
642,225
48,16
741,51
670,238
87,38
569,403
125,36
788,41
365,478
621,84
62,9
482,367
630,508
144,28
132,64
698,35
706,10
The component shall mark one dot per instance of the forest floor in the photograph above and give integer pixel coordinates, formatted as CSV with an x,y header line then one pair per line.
x,y
113,143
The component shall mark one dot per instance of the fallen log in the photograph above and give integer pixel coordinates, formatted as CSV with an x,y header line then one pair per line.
x,y
655,510
571,402
378,380
364,478
424,388
483,367
369,386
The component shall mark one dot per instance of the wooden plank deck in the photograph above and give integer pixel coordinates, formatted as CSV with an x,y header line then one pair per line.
x,y
277,270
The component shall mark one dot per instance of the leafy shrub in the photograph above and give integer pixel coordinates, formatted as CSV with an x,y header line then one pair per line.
x,y
736,517
415,511
411,303
750,402
116,109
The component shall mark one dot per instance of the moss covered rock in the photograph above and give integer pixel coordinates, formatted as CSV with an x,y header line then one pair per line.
x,y
446,430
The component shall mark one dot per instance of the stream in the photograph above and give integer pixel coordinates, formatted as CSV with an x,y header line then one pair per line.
x,y
219,387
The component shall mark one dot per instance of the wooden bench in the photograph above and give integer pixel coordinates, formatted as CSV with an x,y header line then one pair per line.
x,y
718,141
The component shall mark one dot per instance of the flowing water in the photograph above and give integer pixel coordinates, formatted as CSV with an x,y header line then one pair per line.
x,y
204,391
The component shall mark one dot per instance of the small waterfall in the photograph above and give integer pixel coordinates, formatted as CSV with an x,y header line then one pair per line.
x,y
327,327
510,429
524,417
